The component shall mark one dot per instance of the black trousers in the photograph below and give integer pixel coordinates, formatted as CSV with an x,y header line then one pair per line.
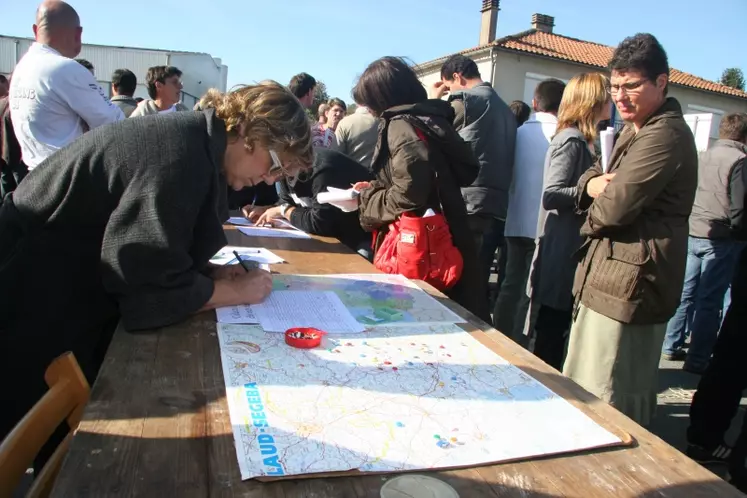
x,y
550,329
720,389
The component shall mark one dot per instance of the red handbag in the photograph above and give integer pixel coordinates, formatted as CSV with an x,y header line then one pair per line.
x,y
421,249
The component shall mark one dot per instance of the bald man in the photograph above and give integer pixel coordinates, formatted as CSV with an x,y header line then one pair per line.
x,y
53,99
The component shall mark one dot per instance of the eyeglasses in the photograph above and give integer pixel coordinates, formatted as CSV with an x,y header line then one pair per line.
x,y
277,169
630,88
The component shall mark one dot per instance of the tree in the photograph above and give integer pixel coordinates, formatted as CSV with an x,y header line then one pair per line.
x,y
320,97
733,77
352,108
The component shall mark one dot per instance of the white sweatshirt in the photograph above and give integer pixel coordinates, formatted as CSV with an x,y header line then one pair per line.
x,y
53,101
525,194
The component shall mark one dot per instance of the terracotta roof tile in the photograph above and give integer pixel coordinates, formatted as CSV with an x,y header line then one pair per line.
x,y
591,54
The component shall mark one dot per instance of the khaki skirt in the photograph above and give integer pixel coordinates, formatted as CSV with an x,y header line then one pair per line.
x,y
617,362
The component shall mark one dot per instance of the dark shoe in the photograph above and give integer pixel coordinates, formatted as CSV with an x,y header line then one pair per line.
x,y
738,479
678,355
697,370
719,454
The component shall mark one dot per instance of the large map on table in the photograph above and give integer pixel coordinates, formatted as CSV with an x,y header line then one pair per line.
x,y
390,399
375,299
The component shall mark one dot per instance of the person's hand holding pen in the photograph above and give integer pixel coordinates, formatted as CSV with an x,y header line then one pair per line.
x,y
252,212
251,283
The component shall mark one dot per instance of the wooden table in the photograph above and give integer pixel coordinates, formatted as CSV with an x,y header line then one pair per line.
x,y
158,425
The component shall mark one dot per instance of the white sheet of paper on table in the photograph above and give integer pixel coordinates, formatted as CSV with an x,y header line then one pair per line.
x,y
323,310
259,254
236,314
274,232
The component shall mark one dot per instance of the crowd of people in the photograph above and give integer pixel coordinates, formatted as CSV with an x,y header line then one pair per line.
x,y
602,268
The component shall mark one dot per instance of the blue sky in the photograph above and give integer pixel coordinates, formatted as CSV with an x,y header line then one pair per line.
x,y
334,40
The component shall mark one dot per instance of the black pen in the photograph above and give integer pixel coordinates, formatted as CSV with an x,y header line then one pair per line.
x,y
241,262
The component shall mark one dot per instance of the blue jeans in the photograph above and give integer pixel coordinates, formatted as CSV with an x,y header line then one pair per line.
x,y
710,266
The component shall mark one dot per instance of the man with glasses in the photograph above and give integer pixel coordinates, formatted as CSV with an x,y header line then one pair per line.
x,y
632,263
165,90
53,99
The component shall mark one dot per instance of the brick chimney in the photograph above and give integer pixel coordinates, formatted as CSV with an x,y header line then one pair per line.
x,y
541,22
489,21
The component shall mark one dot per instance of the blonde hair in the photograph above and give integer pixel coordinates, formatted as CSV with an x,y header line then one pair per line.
x,y
271,116
583,101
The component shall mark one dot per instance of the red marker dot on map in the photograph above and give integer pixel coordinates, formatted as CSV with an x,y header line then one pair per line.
x,y
395,368
447,354
387,363
442,347
349,344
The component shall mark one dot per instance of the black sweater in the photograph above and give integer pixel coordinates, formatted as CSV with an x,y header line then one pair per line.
x,y
331,169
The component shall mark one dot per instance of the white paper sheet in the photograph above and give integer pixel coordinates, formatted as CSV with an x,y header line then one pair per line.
x,y
323,310
236,314
291,233
259,254
345,200
606,141
240,220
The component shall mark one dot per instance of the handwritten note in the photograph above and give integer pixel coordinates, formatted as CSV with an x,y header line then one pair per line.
x,y
319,309
236,314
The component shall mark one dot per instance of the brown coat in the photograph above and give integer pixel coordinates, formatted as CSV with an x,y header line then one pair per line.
x,y
633,259
413,175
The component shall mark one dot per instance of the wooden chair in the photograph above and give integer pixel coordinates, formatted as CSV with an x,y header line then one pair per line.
x,y
65,400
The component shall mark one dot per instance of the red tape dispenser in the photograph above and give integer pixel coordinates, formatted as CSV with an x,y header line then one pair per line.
x,y
304,337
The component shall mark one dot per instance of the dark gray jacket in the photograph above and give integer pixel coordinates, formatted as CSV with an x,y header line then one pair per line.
x,y
108,227
490,129
559,224
718,210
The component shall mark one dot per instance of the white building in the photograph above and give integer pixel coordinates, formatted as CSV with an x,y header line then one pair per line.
x,y
515,64
200,71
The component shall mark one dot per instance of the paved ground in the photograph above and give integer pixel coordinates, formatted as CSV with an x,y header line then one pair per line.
x,y
676,388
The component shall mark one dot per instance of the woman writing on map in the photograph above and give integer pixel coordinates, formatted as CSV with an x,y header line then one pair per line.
x,y
121,224
413,173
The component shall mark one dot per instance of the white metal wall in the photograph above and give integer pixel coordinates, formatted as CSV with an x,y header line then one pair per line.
x,y
200,71
106,60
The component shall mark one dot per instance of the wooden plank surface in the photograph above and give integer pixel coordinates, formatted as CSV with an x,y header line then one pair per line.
x,y
158,425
